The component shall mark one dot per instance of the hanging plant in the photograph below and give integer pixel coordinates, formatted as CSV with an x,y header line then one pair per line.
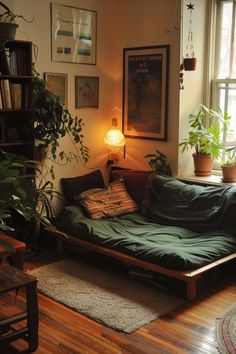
x,y
189,61
53,121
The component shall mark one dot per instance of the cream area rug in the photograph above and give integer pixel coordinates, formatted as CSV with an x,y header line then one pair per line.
x,y
115,301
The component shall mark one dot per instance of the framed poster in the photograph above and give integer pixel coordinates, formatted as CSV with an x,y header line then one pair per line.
x,y
58,84
86,91
73,34
145,92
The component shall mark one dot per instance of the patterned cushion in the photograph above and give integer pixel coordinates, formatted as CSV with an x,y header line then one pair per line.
x,y
111,201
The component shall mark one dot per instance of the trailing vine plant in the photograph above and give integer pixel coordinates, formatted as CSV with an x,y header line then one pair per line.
x,y
54,121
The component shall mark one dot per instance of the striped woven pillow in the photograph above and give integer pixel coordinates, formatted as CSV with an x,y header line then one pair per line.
x,y
107,202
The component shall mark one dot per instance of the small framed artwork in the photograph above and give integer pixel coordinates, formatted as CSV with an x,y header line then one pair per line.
x,y
86,91
145,92
73,34
58,84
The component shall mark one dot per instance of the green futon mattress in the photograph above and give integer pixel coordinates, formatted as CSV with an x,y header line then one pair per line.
x,y
133,234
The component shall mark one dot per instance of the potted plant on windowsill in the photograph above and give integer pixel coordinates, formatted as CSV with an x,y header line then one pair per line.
x,y
205,140
228,165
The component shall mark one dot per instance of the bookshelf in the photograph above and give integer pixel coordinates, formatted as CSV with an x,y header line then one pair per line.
x,y
16,119
16,98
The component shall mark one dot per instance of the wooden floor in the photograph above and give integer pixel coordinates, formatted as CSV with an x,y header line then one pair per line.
x,y
189,329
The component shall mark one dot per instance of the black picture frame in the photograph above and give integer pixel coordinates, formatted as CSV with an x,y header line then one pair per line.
x,y
145,92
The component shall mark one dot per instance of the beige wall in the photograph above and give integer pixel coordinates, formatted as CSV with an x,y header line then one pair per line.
x,y
96,120
121,23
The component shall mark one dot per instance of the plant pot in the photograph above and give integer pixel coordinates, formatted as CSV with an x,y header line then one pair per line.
x,y
7,31
228,173
190,64
202,165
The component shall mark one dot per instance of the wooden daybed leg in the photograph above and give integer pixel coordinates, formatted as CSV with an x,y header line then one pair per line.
x,y
191,289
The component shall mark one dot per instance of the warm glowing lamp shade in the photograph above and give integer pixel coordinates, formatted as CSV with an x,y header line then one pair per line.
x,y
114,137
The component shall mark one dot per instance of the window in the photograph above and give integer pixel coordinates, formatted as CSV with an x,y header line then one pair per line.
x,y
224,81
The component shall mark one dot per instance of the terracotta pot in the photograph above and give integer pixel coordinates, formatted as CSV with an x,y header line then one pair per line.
x,y
202,165
190,64
228,173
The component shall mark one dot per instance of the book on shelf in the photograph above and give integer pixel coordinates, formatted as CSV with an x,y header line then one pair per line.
x,y
12,63
16,95
4,61
2,129
5,93
1,103
25,97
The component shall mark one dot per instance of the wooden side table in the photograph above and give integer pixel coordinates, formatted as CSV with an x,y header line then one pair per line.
x,y
15,258
15,279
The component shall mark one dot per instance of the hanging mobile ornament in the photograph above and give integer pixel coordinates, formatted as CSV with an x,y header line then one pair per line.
x,y
189,59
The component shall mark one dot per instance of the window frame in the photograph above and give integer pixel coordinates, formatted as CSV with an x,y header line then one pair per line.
x,y
213,44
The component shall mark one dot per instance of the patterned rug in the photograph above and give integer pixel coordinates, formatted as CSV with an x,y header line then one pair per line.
x,y
117,302
226,331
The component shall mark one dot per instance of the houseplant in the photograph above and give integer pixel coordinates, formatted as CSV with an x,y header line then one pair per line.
x,y
7,25
54,121
205,140
14,200
228,164
158,162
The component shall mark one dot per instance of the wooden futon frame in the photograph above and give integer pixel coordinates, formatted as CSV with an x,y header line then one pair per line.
x,y
189,276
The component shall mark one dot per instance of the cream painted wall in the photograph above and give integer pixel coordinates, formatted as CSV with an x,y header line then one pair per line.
x,y
123,23
97,121
192,95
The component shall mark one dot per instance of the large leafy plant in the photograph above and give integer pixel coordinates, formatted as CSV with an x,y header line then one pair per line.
x,y
54,121
206,139
13,196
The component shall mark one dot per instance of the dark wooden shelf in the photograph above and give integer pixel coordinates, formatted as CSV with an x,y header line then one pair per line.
x,y
12,143
16,90
10,110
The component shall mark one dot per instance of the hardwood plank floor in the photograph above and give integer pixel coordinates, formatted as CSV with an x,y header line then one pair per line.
x,y
188,329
